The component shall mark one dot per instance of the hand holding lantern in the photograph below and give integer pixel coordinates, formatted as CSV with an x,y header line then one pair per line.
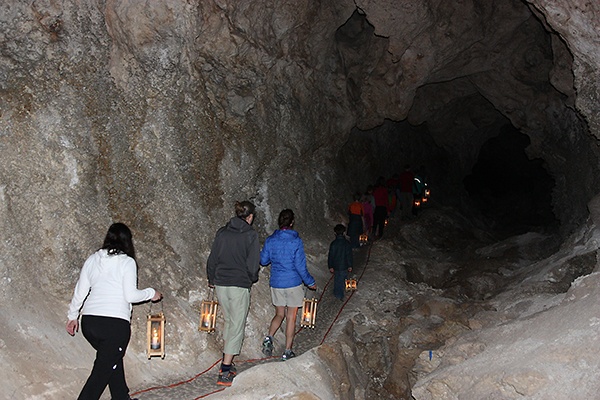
x,y
208,313
155,331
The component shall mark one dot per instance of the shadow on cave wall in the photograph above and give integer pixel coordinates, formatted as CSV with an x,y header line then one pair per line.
x,y
511,191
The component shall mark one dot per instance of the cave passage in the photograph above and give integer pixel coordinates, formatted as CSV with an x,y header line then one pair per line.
x,y
511,191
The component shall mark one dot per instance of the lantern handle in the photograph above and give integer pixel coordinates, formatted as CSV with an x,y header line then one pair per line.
x,y
314,294
162,307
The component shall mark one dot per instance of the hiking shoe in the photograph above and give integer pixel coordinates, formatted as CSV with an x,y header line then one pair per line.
x,y
267,346
287,355
232,370
225,379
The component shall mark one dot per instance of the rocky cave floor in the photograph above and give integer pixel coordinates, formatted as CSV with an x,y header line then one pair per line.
x,y
426,282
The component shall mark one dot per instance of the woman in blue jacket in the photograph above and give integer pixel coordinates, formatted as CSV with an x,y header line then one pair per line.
x,y
284,250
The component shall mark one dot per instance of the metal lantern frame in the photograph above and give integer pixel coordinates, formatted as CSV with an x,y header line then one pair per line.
x,y
363,239
208,313
350,284
309,313
155,334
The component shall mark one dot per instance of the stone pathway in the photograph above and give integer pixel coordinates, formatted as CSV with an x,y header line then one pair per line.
x,y
204,384
199,387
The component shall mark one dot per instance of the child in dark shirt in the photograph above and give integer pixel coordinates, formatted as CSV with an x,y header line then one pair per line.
x,y
340,260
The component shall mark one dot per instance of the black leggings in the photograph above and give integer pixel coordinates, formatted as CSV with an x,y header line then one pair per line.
x,y
379,217
110,337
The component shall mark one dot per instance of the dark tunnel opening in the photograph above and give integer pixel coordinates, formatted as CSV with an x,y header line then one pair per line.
x,y
507,192
512,192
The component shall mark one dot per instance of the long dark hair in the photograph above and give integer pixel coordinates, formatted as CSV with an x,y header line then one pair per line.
x,y
286,217
118,240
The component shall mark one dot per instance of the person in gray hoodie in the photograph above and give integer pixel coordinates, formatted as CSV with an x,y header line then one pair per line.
x,y
232,268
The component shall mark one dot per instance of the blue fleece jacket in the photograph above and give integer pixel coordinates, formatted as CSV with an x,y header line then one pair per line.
x,y
284,250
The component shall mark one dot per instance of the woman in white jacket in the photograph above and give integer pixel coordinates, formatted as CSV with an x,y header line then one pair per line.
x,y
106,289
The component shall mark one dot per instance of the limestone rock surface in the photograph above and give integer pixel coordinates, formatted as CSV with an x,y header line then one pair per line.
x,y
162,114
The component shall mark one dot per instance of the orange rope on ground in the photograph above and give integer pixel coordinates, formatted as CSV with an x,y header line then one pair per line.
x,y
180,383
201,373
349,297
325,288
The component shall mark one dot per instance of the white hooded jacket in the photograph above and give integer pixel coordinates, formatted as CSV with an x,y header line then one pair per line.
x,y
108,286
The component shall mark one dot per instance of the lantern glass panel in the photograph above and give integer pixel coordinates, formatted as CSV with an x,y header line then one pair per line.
x,y
155,335
363,239
307,316
309,313
205,320
208,315
350,284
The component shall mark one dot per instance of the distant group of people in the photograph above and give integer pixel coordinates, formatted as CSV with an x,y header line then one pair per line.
x,y
369,212
107,286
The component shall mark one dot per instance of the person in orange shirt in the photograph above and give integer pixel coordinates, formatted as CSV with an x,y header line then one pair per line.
x,y
356,223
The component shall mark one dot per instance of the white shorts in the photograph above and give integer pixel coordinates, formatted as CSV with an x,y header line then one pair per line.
x,y
290,297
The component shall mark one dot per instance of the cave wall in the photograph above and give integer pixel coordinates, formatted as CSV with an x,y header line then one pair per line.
x,y
160,115
576,22
463,72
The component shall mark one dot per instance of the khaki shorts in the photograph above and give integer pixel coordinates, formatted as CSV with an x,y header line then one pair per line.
x,y
290,297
